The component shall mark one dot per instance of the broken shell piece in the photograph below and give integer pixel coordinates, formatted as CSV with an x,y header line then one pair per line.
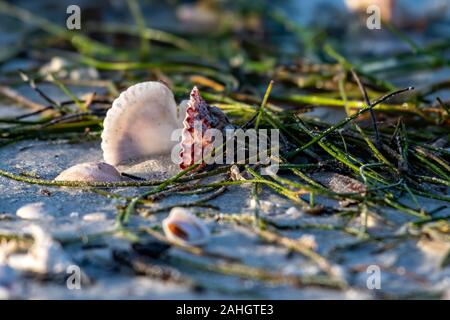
x,y
235,173
95,216
90,171
182,227
340,183
140,123
45,255
34,211
199,118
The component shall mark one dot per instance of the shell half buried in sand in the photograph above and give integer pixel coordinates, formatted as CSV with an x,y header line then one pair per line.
x,y
90,171
182,227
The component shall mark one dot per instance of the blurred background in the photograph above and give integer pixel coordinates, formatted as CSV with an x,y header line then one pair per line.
x,y
239,44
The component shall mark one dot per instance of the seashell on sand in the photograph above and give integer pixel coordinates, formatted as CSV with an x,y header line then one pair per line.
x,y
140,123
199,116
90,171
182,227
34,211
340,183
45,255
235,173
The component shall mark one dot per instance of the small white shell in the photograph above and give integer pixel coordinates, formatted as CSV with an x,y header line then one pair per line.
x,y
181,226
44,256
95,216
63,68
140,123
90,171
235,173
34,211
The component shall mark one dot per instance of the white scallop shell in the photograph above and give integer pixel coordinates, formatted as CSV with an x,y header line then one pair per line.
x,y
140,123
181,226
90,171
34,211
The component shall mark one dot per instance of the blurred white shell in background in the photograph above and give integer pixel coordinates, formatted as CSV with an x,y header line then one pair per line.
x,y
34,211
44,256
182,227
